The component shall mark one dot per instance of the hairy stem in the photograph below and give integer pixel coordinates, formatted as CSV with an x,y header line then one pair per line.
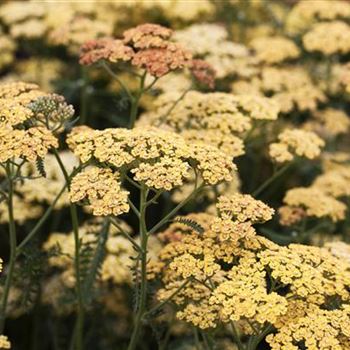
x,y
13,244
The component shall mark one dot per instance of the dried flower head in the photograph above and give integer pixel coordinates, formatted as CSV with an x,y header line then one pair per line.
x,y
203,73
289,216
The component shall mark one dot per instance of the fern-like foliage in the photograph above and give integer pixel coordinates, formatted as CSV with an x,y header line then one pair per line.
x,y
91,259
195,226
40,167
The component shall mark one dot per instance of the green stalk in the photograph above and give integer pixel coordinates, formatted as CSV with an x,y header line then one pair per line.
x,y
13,244
236,336
75,224
141,307
270,180
135,102
39,224
175,210
83,96
256,340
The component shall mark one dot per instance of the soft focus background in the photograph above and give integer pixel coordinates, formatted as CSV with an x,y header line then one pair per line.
x,y
294,52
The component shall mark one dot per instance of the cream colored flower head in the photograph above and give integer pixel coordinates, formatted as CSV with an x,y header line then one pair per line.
x,y
305,13
219,119
20,103
4,342
272,50
296,142
243,208
159,159
316,203
328,38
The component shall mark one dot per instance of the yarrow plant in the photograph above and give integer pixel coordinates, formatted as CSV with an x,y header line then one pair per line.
x,y
175,175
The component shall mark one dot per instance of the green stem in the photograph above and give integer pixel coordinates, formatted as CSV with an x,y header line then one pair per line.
x,y
13,244
141,307
39,224
135,102
75,224
83,96
256,340
161,304
120,82
125,234
176,102
175,210
196,339
270,180
236,336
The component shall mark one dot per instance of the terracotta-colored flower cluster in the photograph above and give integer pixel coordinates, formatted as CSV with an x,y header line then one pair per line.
x,y
146,46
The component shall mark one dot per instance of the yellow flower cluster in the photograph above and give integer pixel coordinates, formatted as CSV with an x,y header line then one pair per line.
x,y
7,47
23,210
329,123
328,38
296,142
305,13
102,189
215,118
245,295
21,102
150,152
316,203
316,329
210,41
272,50
4,342
310,271
25,19
77,31
334,182
291,87
238,280
244,208
210,193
